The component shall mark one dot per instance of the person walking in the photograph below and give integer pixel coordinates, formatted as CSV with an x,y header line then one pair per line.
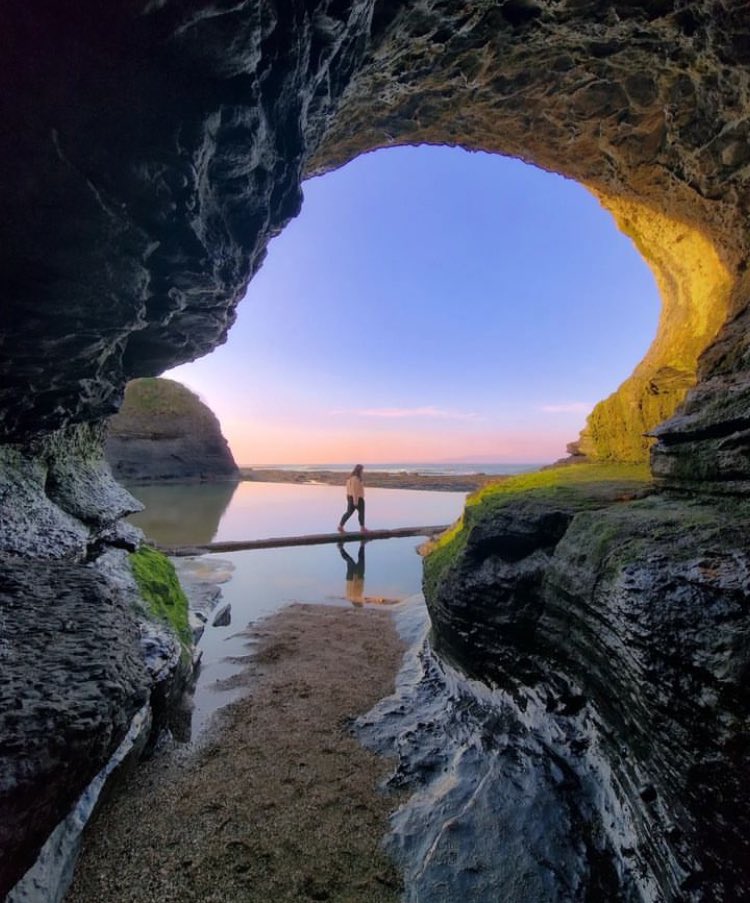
x,y
355,499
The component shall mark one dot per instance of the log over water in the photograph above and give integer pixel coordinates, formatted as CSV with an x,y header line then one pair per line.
x,y
311,539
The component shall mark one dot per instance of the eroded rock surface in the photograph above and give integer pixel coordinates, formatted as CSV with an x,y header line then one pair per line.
x,y
167,147
58,498
73,677
79,651
165,432
627,622
149,154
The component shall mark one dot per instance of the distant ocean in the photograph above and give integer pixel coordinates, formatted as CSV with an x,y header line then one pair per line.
x,y
428,468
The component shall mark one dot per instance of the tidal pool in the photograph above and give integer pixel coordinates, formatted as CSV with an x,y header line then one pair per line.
x,y
182,514
258,582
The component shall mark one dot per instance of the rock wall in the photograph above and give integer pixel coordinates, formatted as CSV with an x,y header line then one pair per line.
x,y
168,147
149,155
163,431
625,619
80,653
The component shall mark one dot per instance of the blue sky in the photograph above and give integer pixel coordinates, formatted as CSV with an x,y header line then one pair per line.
x,y
429,303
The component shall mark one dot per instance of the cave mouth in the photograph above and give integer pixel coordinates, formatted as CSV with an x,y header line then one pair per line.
x,y
430,303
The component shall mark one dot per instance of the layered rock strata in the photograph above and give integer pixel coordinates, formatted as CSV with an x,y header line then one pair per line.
x,y
626,621
164,431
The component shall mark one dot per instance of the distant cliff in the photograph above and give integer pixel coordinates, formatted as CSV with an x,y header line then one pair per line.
x,y
164,432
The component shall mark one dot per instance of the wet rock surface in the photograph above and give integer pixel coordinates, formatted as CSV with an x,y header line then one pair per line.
x,y
148,157
73,677
165,432
497,807
627,629
58,498
79,653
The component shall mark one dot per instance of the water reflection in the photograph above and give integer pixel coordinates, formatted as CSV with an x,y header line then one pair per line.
x,y
189,514
185,514
355,574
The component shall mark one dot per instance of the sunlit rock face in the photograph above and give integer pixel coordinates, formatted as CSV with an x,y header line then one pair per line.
x,y
164,432
644,103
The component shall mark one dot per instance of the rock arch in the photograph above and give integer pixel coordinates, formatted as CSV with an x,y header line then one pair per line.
x,y
167,146
149,155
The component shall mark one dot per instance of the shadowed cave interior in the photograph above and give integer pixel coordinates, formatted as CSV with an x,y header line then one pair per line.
x,y
149,157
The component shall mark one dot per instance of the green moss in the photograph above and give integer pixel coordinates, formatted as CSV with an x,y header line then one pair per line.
x,y
574,483
161,590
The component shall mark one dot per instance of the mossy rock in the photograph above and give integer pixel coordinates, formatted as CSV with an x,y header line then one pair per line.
x,y
161,591
577,486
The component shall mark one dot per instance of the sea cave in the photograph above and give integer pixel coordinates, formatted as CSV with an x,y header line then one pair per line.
x,y
148,157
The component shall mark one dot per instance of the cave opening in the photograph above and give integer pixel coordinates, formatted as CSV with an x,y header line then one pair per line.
x,y
430,303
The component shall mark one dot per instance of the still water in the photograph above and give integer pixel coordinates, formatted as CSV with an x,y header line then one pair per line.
x,y
258,582
185,514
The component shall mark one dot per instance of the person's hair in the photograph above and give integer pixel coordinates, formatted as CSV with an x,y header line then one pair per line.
x,y
357,472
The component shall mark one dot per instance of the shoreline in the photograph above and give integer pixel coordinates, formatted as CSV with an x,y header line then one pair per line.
x,y
277,800
375,479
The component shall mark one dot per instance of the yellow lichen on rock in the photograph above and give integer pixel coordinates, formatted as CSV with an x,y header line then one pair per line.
x,y
695,288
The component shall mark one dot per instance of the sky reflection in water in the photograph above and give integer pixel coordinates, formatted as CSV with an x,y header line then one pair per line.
x,y
184,514
264,580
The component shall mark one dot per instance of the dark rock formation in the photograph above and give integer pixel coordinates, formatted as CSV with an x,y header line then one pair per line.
x,y
164,432
149,154
73,677
58,498
627,622
168,143
706,446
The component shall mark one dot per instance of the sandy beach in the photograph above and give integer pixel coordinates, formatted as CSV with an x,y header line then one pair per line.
x,y
280,803
376,479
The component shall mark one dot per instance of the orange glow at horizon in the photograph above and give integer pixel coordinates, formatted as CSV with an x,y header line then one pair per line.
x,y
263,444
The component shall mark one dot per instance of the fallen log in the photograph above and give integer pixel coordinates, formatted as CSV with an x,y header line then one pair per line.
x,y
312,539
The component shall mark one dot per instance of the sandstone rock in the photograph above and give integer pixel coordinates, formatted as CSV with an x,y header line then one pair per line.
x,y
164,432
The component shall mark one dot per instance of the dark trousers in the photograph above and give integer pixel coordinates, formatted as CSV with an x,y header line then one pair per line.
x,y
350,509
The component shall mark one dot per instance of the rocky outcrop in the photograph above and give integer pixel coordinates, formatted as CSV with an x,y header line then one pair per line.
x,y
165,432
80,650
705,447
150,154
58,498
73,677
626,622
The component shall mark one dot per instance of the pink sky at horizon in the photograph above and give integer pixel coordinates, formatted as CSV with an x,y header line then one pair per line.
x,y
259,444
482,321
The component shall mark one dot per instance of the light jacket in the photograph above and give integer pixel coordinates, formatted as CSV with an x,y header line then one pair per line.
x,y
355,488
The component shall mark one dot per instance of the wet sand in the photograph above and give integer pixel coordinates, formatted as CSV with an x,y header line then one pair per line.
x,y
281,802
438,482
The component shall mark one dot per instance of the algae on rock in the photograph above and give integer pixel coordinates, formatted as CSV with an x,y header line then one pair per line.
x,y
160,588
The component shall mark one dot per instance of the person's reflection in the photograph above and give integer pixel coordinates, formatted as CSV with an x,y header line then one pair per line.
x,y
355,574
